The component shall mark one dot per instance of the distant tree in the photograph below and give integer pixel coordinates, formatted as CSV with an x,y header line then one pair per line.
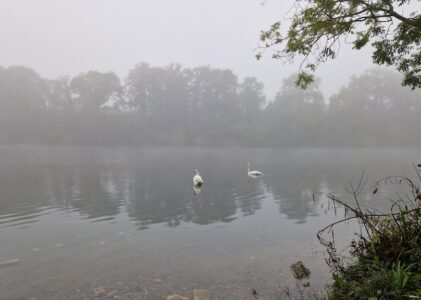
x,y
375,91
23,105
21,90
296,116
160,98
59,96
252,98
92,90
214,92
142,85
250,110
374,110
157,91
215,105
317,27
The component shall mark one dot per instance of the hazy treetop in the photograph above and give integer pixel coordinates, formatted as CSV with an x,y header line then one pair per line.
x,y
67,37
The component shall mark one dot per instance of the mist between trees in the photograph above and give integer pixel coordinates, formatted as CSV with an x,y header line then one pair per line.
x,y
204,106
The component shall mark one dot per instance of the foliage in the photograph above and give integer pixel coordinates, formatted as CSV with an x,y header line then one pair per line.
x,y
387,251
297,116
203,106
386,111
318,27
93,89
22,90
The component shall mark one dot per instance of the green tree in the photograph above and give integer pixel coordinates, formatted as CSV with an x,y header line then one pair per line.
x,y
317,27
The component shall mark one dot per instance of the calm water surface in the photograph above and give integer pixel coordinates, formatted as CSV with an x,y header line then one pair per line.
x,y
124,223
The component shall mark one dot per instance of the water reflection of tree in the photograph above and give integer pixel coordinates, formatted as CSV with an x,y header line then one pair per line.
x,y
36,180
159,194
154,189
293,186
300,173
155,201
87,180
22,195
216,207
155,185
235,192
91,189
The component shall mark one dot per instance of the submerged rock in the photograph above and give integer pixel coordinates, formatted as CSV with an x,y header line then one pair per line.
x,y
177,297
99,291
9,262
201,294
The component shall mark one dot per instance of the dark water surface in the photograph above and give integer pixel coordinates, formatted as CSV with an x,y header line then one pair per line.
x,y
124,223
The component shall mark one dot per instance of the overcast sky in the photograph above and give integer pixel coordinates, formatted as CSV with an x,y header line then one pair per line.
x,y
66,37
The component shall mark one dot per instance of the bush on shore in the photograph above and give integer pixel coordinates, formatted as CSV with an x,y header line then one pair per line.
x,y
387,251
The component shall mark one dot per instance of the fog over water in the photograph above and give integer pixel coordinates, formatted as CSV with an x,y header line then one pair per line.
x,y
75,221
106,109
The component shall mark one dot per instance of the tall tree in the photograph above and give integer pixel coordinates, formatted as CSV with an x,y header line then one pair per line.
x,y
387,112
59,96
216,104
21,90
92,90
251,104
160,98
252,98
296,116
318,25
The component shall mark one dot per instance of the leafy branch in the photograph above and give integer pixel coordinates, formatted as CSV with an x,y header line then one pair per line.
x,y
318,26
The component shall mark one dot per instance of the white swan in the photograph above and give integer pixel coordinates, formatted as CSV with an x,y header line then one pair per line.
x,y
253,173
197,179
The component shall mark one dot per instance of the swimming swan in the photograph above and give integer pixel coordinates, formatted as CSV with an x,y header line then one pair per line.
x,y
197,179
254,172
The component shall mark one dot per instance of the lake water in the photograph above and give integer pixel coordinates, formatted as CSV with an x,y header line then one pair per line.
x,y
125,223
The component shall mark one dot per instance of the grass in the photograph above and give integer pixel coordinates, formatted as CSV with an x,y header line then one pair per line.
x,y
386,253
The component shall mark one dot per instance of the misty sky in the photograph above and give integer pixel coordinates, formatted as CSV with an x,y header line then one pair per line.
x,y
68,37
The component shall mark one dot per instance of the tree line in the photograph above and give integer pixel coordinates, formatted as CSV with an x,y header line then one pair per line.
x,y
203,106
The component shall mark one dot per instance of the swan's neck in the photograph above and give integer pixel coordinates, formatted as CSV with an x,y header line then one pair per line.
x,y
248,168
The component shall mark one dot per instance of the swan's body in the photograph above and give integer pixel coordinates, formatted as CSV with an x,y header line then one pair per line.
x,y
197,179
253,173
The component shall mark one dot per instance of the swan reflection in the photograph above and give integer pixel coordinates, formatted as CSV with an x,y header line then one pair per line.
x,y
196,189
